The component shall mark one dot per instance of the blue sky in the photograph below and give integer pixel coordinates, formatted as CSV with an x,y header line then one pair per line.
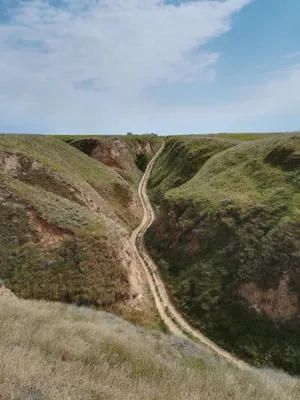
x,y
112,66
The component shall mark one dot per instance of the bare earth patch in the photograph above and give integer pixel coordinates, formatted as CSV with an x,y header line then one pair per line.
x,y
6,293
51,235
137,281
9,162
276,304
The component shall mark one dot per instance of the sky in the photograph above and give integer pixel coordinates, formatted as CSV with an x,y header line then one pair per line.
x,y
163,66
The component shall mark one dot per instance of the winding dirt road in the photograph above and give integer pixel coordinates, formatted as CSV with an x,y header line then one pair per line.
x,y
176,323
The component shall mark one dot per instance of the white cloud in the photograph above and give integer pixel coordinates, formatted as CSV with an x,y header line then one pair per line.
x,y
116,48
277,96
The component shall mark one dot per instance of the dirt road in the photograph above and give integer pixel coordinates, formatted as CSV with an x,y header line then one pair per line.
x,y
176,323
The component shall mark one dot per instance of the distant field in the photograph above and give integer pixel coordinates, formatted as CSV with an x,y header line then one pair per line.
x,y
71,138
229,136
246,136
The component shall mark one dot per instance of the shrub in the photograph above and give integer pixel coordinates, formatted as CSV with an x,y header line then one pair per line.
x,y
141,161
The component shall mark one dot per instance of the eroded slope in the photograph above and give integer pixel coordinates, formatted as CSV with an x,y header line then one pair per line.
x,y
127,155
228,243
65,224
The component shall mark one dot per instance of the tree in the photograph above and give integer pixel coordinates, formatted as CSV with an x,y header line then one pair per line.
x,y
141,161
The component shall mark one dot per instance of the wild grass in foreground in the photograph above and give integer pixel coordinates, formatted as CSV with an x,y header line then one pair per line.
x,y
53,351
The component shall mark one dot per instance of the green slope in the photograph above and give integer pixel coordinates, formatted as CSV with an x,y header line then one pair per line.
x,y
128,155
181,160
228,243
64,223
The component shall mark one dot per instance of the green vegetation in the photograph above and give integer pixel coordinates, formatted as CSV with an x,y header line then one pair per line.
x,y
129,137
53,352
142,161
227,240
64,225
180,160
245,136
127,155
69,267
233,137
57,156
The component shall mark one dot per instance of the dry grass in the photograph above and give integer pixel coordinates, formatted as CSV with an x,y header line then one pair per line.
x,y
54,351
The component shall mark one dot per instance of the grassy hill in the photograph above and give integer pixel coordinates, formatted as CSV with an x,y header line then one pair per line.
x,y
65,221
227,239
128,155
181,160
53,352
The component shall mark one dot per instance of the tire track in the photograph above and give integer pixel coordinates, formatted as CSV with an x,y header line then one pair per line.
x,y
176,323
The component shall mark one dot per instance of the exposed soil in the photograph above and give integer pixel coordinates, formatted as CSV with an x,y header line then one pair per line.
x,y
136,276
6,293
51,235
118,154
278,303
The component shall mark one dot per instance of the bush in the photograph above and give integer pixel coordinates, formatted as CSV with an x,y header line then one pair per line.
x,y
141,161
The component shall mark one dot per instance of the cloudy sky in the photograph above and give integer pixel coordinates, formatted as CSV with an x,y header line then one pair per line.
x,y
173,66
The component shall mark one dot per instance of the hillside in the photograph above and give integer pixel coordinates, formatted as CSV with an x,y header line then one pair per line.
x,y
227,240
54,351
128,155
181,160
65,221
